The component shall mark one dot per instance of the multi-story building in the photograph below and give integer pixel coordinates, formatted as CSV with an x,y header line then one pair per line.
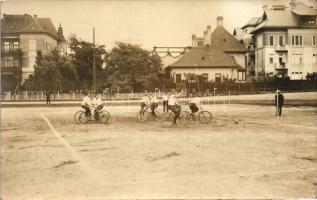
x,y
217,56
22,36
245,37
286,41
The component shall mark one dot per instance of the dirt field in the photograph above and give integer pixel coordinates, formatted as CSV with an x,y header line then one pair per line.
x,y
45,155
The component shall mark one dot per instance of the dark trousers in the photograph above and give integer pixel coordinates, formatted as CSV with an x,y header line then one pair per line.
x,y
100,107
176,109
279,111
142,105
193,107
153,107
87,110
48,100
165,106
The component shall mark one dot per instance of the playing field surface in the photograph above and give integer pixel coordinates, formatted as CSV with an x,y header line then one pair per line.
x,y
246,152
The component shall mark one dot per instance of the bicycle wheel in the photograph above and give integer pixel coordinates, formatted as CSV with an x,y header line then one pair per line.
x,y
158,115
83,119
167,119
143,115
107,113
204,117
193,119
76,116
103,117
184,118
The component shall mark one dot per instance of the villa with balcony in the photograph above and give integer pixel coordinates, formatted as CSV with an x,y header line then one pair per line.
x,y
22,36
285,41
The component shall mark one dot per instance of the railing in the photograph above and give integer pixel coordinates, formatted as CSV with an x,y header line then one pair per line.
x,y
281,48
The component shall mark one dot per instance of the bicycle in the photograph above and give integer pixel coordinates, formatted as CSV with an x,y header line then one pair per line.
x,y
102,116
145,114
167,118
202,116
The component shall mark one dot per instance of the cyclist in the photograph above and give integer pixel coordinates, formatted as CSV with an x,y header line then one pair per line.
x,y
144,101
98,105
174,106
154,104
194,104
86,104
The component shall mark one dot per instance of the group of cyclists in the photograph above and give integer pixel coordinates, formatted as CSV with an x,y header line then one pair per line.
x,y
169,103
92,104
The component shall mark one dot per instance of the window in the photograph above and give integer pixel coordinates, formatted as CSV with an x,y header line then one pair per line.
x,y
314,58
205,77
241,76
16,63
271,60
218,77
6,46
191,78
9,61
300,59
271,40
297,40
178,78
200,43
280,40
314,40
15,45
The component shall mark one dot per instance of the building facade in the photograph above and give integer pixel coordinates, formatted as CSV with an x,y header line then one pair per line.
x,y
217,56
22,37
286,41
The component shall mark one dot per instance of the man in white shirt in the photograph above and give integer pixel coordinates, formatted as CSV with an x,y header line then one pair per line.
x,y
154,103
174,106
165,102
86,104
194,103
144,101
98,104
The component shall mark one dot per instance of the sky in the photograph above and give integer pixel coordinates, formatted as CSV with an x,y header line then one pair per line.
x,y
146,23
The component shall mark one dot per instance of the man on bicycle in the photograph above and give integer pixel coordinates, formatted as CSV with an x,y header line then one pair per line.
x,y
174,106
194,104
86,104
144,101
154,104
98,105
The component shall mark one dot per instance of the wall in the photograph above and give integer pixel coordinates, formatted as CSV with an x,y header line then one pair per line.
x,y
232,73
30,44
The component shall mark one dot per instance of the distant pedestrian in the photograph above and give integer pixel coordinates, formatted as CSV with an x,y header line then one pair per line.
x,y
48,98
279,102
165,102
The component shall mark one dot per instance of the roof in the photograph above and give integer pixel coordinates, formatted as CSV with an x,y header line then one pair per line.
x,y
252,22
222,40
303,10
277,19
205,57
27,24
238,33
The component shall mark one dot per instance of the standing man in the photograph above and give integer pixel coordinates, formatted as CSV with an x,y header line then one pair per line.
x,y
165,102
279,102
48,97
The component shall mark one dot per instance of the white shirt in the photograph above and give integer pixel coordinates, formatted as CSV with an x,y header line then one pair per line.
x,y
195,100
165,98
145,100
97,101
172,100
154,99
86,101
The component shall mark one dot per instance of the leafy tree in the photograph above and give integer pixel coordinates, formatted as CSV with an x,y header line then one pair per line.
x,y
82,58
131,68
50,71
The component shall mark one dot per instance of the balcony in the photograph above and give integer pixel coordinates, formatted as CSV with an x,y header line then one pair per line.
x,y
11,52
281,48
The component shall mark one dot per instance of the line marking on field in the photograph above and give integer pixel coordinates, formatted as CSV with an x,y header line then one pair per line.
x,y
88,170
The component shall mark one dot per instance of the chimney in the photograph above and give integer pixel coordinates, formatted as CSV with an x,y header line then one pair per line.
x,y
25,18
35,18
219,21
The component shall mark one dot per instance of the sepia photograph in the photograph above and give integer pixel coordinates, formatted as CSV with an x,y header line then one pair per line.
x,y
158,99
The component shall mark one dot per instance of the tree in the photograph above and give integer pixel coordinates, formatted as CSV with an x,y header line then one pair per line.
x,y
82,58
50,71
131,67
